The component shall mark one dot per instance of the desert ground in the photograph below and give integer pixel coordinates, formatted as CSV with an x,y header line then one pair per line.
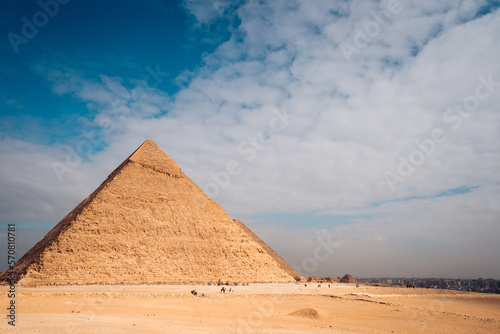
x,y
257,308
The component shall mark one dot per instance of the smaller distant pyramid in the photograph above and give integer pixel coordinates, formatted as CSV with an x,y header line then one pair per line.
x,y
348,279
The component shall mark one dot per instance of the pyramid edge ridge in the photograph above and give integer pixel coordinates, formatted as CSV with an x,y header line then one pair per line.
x,y
33,254
275,256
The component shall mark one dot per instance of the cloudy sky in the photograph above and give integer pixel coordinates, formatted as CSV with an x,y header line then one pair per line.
x,y
365,133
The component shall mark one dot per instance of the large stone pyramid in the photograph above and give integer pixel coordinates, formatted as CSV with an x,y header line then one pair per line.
x,y
149,223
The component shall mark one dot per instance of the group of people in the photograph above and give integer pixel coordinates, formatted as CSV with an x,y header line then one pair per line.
x,y
223,290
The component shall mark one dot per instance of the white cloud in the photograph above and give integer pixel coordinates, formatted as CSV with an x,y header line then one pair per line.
x,y
206,11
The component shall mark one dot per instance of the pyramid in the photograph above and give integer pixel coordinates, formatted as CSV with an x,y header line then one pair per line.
x,y
348,279
149,223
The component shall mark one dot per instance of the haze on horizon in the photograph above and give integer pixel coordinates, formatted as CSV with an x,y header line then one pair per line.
x,y
355,137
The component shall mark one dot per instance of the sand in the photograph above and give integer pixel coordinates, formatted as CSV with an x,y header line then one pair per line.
x,y
266,308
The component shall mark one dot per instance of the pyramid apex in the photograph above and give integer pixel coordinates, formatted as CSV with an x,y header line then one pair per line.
x,y
151,155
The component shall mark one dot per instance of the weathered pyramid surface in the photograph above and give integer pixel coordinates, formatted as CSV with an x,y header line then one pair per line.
x,y
348,279
149,223
283,264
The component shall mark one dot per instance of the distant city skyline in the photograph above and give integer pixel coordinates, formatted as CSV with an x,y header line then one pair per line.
x,y
352,137
488,285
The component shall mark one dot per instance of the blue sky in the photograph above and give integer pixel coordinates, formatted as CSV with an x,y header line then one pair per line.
x,y
371,124
113,38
